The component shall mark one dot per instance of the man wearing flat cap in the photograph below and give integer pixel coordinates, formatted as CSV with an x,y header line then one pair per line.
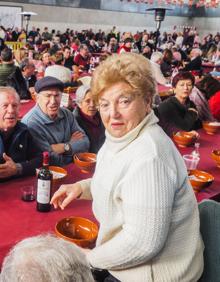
x,y
54,128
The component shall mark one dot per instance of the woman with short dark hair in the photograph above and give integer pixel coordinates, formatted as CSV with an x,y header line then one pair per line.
x,y
178,112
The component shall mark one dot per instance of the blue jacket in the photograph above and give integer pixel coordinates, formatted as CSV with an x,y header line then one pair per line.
x,y
46,132
23,149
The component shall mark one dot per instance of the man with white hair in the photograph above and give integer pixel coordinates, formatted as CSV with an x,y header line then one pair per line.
x,y
19,155
195,63
45,258
156,60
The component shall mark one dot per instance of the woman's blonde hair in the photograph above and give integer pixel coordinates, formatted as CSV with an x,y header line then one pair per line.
x,y
130,68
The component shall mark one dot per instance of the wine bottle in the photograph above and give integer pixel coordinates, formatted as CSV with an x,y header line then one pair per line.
x,y
44,185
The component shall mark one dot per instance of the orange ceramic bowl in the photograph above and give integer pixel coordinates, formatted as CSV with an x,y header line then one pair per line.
x,y
216,157
85,161
78,230
184,138
200,179
59,174
33,96
211,127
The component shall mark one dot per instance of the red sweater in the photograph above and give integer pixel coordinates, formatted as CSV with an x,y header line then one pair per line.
x,y
125,48
214,104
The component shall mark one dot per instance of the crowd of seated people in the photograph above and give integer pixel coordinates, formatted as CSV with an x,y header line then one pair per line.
x,y
66,55
53,60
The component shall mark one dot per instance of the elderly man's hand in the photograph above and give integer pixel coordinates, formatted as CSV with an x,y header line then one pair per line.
x,y
58,148
9,168
76,136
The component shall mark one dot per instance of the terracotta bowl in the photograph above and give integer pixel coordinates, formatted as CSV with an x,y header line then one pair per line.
x,y
184,138
78,230
211,127
59,174
216,157
70,89
85,161
200,179
33,96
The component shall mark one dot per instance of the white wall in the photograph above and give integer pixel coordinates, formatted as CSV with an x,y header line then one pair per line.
x,y
60,18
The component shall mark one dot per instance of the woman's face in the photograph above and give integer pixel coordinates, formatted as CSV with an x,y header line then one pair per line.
x,y
121,110
183,89
88,106
46,58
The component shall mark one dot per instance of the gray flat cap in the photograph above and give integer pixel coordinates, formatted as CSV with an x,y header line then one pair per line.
x,y
48,82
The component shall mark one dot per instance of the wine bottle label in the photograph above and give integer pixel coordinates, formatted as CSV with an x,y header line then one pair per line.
x,y
43,191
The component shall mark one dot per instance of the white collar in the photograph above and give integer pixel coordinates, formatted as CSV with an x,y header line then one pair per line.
x,y
117,144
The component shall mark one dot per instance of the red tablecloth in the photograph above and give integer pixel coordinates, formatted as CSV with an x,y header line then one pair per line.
x,y
164,91
207,144
208,67
20,219
26,105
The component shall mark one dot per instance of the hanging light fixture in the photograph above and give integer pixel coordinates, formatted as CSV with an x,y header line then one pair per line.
x,y
190,3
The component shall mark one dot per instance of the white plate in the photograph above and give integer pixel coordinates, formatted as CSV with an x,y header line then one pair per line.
x,y
24,101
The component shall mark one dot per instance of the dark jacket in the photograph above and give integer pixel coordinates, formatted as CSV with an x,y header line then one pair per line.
x,y
17,81
22,149
175,116
195,64
94,130
5,71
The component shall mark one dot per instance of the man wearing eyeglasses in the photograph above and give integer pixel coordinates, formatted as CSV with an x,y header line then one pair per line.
x,y
54,128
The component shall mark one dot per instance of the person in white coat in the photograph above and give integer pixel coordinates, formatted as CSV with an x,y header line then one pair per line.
x,y
142,198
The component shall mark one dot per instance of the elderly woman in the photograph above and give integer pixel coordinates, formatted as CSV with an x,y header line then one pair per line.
x,y
178,112
88,118
142,198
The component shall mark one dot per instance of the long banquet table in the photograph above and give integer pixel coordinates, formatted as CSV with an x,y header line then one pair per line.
x,y
207,144
20,219
25,106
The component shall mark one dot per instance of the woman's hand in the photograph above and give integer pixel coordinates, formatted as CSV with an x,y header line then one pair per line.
x,y
195,133
193,110
66,194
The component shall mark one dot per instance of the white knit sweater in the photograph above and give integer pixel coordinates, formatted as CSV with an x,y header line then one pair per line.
x,y
148,214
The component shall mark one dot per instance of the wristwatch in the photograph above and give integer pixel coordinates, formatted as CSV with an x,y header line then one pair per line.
x,y
67,147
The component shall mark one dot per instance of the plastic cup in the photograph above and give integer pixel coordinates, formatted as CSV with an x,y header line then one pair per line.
x,y
191,161
27,193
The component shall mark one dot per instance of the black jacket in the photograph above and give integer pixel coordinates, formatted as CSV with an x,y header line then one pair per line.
x,y
17,81
22,149
195,64
175,116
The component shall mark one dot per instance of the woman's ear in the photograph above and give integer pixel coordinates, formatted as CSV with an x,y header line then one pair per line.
x,y
148,104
